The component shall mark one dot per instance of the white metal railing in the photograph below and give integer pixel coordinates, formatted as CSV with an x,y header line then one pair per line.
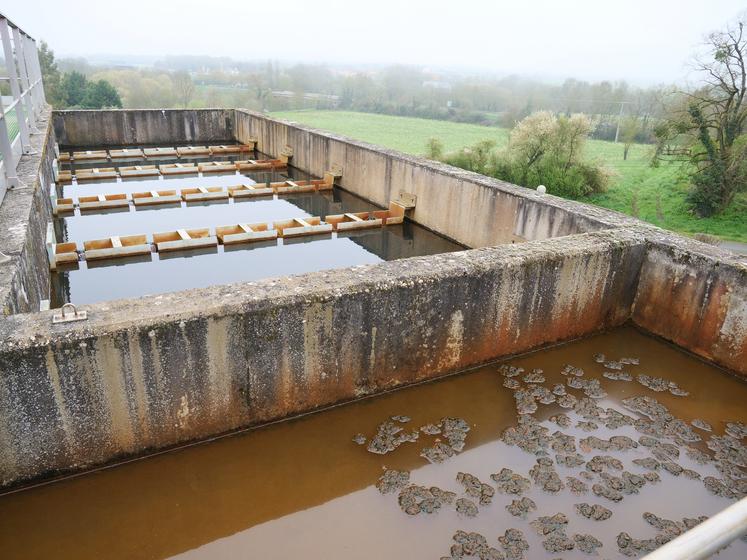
x,y
19,111
705,539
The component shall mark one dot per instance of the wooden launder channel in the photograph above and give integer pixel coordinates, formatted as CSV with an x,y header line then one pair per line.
x,y
169,170
180,152
183,239
95,202
116,247
157,152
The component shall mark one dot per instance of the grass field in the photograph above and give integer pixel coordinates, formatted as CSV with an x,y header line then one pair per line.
x,y
657,193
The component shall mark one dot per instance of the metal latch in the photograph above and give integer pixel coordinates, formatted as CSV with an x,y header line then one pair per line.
x,y
64,317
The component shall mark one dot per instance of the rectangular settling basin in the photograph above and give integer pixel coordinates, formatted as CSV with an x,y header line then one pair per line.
x,y
209,201
620,464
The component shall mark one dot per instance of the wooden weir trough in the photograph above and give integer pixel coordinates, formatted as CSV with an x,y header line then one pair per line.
x,y
126,153
204,193
149,198
62,205
103,201
357,220
96,174
139,171
193,151
260,164
63,177
217,167
178,169
184,239
302,226
116,247
246,191
243,233
90,155
248,146
61,253
160,153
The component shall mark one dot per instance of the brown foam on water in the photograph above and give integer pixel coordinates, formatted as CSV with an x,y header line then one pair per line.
x,y
303,489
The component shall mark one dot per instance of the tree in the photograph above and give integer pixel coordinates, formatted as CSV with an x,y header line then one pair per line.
x,y
141,89
100,94
73,89
50,75
629,129
184,88
706,127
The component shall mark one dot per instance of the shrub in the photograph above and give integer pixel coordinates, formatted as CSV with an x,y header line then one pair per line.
x,y
434,149
543,150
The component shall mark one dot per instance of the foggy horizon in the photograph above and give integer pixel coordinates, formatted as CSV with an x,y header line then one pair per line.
x,y
642,43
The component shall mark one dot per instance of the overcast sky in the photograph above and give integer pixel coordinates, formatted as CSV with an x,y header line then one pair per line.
x,y
645,41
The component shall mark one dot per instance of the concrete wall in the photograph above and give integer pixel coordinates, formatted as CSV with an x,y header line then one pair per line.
x,y
142,126
148,373
472,209
24,214
695,296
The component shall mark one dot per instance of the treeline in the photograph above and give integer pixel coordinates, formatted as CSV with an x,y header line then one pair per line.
x,y
394,90
73,89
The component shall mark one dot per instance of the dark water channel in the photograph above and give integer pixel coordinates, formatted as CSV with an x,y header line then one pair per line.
x,y
305,489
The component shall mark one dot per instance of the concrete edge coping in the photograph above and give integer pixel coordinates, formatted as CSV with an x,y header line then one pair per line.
x,y
28,176
35,329
16,207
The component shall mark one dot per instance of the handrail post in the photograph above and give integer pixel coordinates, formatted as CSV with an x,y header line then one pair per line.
x,y
15,89
24,80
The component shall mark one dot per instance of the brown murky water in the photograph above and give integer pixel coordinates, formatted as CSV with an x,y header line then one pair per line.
x,y
304,489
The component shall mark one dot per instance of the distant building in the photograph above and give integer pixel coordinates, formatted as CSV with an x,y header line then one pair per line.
x,y
287,94
437,85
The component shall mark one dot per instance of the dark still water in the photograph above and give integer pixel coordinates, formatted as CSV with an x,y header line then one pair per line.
x,y
305,489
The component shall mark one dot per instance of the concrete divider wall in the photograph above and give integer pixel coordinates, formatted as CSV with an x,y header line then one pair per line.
x,y
82,128
472,209
143,374
24,214
695,296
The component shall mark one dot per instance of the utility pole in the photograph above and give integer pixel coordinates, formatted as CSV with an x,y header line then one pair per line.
x,y
619,118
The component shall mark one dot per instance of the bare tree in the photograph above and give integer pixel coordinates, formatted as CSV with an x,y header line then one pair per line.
x,y
184,88
706,125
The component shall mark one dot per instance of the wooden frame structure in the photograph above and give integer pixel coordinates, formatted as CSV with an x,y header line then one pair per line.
x,y
116,247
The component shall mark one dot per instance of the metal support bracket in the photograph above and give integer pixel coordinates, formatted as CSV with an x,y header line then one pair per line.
x,y
407,200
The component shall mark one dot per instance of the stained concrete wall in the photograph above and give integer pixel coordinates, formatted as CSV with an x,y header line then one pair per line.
x,y
153,372
24,214
695,295
469,208
79,128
